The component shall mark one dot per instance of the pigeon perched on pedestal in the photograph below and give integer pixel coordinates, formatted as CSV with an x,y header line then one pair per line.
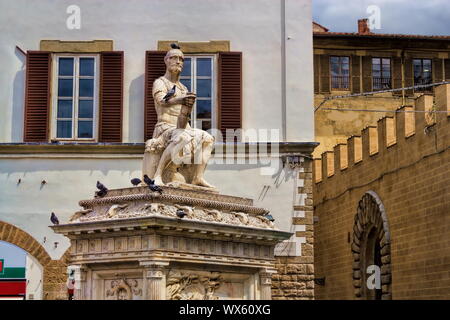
x,y
102,190
151,184
54,219
269,217
181,214
135,181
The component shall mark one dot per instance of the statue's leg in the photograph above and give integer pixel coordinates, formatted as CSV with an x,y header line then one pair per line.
x,y
163,162
150,163
199,169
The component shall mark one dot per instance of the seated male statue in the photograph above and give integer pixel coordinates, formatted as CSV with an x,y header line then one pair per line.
x,y
177,152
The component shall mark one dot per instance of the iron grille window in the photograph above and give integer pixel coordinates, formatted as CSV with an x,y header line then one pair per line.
x,y
422,74
340,72
381,73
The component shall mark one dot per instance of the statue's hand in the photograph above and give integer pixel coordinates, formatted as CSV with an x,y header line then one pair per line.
x,y
189,99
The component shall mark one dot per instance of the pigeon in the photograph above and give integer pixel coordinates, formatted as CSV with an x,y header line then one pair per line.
x,y
148,181
151,184
269,217
135,181
102,189
72,273
54,219
175,46
170,93
181,213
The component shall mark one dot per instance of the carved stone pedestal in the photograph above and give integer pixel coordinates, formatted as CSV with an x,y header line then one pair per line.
x,y
131,244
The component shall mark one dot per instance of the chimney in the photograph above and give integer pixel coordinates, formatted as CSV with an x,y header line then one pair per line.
x,y
363,27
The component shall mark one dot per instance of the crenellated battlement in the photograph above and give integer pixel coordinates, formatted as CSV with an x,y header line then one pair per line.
x,y
406,137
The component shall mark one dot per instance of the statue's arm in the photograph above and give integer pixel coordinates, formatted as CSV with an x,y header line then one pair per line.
x,y
160,91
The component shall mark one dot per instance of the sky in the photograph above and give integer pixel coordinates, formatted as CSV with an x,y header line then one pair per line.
x,y
13,256
423,17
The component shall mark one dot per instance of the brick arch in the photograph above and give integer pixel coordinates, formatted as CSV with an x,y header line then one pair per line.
x,y
22,239
54,277
371,222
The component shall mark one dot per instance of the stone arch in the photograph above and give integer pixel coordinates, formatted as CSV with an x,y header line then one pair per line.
x,y
371,245
54,279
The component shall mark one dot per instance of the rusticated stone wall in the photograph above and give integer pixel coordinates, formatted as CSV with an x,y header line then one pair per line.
x,y
295,277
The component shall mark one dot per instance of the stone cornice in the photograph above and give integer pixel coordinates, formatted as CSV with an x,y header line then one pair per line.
x,y
138,148
168,224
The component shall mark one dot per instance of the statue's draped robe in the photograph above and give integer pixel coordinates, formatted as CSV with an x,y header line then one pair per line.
x,y
188,142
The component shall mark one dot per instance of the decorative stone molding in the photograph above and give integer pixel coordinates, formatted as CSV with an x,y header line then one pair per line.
x,y
213,46
171,198
371,218
192,286
93,46
124,289
140,202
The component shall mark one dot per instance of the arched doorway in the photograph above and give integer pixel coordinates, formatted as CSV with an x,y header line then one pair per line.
x,y
371,250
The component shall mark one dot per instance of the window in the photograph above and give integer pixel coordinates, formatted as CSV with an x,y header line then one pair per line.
x,y
75,98
197,76
422,73
381,73
340,69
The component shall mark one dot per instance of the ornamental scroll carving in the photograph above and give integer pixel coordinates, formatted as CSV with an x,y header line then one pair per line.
x,y
124,289
191,286
124,211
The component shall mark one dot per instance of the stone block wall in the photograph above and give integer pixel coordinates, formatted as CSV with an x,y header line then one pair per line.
x,y
406,162
295,277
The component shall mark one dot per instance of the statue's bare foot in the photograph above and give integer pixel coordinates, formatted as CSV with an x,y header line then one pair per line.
x,y
158,181
202,182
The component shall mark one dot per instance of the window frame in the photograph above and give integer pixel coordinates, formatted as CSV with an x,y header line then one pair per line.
x,y
214,87
340,72
381,72
419,90
75,90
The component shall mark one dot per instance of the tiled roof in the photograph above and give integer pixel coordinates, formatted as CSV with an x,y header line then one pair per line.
x,y
381,35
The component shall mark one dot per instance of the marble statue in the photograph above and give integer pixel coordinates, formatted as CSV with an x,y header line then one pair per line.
x,y
177,152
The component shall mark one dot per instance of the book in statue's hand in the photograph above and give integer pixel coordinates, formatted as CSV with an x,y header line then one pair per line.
x,y
185,112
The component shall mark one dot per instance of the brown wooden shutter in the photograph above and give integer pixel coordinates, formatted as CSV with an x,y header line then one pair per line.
x,y
325,73
409,79
367,74
316,73
397,75
154,68
436,70
356,74
111,96
37,96
447,69
230,91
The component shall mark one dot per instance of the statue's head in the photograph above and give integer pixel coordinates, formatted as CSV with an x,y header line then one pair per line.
x,y
174,60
